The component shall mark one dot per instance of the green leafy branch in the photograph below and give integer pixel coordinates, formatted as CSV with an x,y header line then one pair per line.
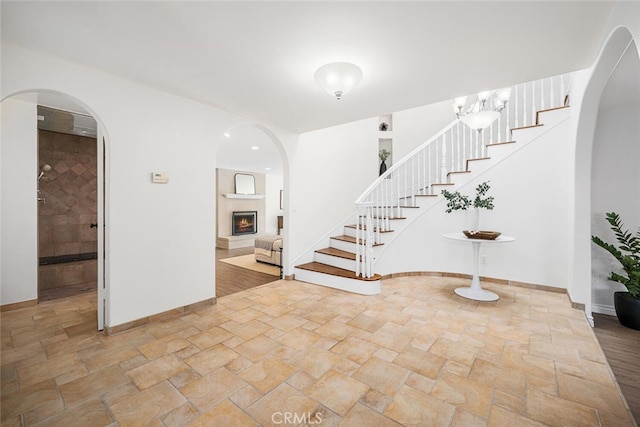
x,y
628,254
457,201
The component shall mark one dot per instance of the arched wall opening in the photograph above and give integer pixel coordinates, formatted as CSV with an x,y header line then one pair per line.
x,y
602,129
252,149
24,197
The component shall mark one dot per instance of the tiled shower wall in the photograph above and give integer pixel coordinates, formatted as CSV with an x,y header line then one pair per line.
x,y
65,219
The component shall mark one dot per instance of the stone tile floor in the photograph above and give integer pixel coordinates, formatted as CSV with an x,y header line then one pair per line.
x,y
290,353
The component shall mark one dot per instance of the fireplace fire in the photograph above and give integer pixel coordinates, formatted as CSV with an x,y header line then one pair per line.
x,y
245,222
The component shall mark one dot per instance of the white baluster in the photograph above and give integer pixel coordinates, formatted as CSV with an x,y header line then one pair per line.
x,y
460,148
533,104
358,212
413,182
516,108
443,161
369,252
491,132
429,170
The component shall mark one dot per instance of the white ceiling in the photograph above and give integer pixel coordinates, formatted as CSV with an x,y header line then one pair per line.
x,y
257,59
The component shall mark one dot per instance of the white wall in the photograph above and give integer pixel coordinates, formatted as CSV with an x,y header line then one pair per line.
x,y
414,126
332,168
615,178
272,202
18,217
531,204
161,237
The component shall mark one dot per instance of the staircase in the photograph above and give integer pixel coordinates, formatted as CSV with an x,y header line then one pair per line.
x,y
448,160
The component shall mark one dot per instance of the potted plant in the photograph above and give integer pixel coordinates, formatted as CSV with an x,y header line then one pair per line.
x,y
384,155
457,201
627,304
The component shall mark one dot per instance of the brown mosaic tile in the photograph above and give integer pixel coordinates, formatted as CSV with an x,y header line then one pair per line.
x,y
554,410
414,408
211,359
382,376
283,398
337,391
212,388
225,414
267,374
156,371
150,404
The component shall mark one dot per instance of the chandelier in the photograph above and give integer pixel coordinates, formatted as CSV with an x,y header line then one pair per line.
x,y
484,111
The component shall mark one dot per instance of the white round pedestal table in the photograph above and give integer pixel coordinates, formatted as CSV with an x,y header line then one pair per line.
x,y
475,291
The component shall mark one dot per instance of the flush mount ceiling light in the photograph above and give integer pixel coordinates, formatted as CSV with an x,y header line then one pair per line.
x,y
484,111
338,78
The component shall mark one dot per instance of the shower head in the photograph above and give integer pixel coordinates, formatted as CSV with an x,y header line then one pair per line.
x,y
44,168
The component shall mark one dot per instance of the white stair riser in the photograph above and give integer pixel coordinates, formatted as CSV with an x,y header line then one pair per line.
x,y
347,264
343,246
350,285
384,237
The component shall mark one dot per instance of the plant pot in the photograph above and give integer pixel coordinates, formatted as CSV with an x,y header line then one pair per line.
x,y
627,310
383,167
472,219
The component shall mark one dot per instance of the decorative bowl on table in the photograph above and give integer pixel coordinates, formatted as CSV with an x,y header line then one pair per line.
x,y
484,235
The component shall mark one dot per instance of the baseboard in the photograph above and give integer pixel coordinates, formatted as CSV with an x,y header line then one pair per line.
x,y
112,330
482,278
18,305
603,309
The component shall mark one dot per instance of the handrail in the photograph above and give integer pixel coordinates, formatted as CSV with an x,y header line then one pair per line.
x,y
432,162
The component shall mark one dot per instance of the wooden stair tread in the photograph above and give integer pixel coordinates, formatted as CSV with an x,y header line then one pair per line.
x,y
526,127
546,110
397,206
335,271
501,143
337,253
389,217
455,172
364,227
552,109
351,239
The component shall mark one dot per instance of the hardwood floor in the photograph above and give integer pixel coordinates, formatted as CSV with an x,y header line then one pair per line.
x,y
621,346
231,279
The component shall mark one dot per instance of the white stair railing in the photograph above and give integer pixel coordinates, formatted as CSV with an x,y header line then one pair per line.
x,y
433,161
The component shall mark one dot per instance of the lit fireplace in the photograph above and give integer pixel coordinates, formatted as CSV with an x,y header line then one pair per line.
x,y
244,223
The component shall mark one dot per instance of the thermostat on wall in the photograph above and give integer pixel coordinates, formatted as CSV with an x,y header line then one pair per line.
x,y
159,177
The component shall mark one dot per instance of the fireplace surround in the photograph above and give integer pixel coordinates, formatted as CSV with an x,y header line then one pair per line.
x,y
244,222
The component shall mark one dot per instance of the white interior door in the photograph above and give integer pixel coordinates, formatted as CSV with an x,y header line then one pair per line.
x,y
102,294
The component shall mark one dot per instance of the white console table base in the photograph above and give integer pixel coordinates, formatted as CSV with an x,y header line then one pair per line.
x,y
475,291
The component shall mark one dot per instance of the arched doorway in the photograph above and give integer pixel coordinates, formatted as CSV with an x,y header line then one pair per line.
x,y
614,173
608,77
253,153
60,166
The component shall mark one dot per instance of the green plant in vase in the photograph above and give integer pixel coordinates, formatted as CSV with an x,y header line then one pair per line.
x,y
384,155
457,201
627,304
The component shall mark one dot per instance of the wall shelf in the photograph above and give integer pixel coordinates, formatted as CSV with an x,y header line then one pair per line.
x,y
244,196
